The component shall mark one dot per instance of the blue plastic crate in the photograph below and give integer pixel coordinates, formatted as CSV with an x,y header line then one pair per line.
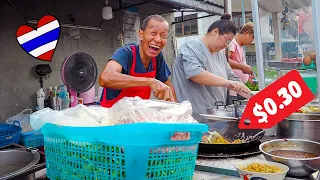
x,y
10,133
32,139
123,152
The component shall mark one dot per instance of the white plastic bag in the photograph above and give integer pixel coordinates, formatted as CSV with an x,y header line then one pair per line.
x,y
126,111
23,118
79,116
132,110
43,116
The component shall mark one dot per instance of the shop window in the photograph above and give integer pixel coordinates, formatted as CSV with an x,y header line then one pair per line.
x,y
186,28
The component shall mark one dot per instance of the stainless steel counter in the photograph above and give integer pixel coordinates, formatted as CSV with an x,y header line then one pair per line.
x,y
223,168
200,175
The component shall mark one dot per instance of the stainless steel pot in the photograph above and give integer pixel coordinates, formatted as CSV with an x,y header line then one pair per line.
x,y
16,162
300,126
298,167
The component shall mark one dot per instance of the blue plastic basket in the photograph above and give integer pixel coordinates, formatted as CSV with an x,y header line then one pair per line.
x,y
10,133
124,152
32,139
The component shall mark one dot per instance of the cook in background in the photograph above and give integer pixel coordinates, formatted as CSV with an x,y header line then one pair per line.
x,y
237,59
201,73
137,69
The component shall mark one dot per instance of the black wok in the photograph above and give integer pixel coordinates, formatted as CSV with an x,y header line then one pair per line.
x,y
230,131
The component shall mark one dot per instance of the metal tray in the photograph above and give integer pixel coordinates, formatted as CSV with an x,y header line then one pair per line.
x,y
284,65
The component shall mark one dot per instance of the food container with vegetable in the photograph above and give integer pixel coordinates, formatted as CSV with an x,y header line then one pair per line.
x,y
135,139
130,151
262,170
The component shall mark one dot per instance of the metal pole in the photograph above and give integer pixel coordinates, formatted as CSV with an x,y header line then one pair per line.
x,y
316,29
277,39
230,7
225,6
258,43
243,22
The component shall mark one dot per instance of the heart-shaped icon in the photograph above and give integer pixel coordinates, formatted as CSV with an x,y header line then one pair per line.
x,y
41,42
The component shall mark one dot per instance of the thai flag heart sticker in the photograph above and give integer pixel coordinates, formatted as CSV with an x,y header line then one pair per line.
x,y
41,42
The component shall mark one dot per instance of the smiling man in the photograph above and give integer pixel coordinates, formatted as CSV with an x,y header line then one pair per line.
x,y
137,70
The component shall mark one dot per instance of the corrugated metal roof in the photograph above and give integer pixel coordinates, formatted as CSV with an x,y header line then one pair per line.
x,y
209,6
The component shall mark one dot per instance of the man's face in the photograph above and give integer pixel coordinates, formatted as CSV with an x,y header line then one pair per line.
x,y
249,38
154,37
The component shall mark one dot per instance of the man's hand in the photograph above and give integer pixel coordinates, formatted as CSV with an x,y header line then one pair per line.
x,y
161,90
250,79
247,69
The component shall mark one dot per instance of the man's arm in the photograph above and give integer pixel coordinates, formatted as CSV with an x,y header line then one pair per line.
x,y
112,77
235,65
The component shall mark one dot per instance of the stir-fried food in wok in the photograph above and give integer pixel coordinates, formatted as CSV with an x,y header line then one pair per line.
x,y
216,138
309,109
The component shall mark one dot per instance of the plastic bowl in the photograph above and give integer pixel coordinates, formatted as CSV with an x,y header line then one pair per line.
x,y
261,176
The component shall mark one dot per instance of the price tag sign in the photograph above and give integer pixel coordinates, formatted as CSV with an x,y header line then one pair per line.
x,y
276,102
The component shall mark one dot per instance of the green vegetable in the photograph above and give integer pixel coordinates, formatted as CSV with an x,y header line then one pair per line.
x,y
252,87
97,164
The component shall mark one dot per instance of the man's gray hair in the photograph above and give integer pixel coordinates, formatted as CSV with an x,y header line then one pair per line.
x,y
147,19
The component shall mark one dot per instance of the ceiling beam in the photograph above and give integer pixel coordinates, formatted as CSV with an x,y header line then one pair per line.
x,y
198,5
134,5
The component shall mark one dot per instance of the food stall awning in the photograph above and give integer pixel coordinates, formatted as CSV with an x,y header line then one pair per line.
x,y
166,6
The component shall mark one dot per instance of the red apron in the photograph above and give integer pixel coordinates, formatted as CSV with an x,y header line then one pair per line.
x,y
142,92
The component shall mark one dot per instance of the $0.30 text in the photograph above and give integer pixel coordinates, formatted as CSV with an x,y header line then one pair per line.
x,y
271,107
